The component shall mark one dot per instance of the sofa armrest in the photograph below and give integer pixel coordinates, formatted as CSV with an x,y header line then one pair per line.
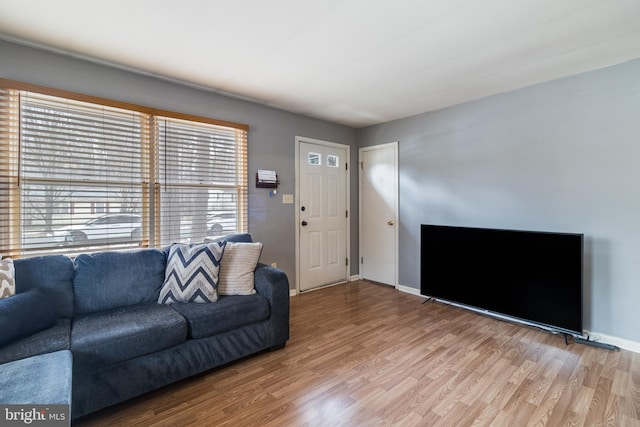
x,y
273,284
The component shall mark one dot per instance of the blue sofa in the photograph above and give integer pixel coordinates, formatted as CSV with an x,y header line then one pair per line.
x,y
123,342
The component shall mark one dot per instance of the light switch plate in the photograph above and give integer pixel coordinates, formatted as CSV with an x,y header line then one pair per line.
x,y
287,198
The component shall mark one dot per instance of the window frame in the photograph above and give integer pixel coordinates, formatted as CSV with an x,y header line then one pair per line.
x,y
151,209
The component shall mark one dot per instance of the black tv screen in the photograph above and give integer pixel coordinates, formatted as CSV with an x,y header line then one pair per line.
x,y
528,275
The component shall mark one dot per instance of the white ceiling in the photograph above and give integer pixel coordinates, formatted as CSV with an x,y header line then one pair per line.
x,y
354,62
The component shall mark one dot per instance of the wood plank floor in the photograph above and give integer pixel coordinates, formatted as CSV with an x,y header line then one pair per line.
x,y
366,354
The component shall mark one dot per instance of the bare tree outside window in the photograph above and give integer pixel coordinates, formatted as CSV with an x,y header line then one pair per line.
x,y
74,157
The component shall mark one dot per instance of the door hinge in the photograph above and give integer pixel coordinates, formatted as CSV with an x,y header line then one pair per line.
x,y
346,261
346,166
361,260
346,214
361,165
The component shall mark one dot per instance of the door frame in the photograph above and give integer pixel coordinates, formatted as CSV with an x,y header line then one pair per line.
x,y
347,148
396,207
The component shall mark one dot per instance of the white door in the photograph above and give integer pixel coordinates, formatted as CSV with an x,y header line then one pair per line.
x,y
379,213
322,214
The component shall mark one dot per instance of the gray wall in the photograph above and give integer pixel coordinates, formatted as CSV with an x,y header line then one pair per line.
x,y
271,136
558,156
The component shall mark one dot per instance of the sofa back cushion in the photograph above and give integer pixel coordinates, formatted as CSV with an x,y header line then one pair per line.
x,y
108,280
53,274
237,237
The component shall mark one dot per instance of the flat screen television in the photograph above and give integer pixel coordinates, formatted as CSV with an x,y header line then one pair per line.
x,y
535,277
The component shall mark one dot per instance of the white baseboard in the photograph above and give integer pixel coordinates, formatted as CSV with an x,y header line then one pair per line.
x,y
594,336
354,278
409,290
293,292
618,342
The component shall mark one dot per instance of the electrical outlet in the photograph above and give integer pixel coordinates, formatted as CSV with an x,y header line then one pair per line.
x,y
274,264
287,198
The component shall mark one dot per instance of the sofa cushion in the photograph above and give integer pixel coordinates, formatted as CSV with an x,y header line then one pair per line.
x,y
49,340
38,380
24,314
192,273
7,278
53,274
234,237
108,280
236,268
230,312
104,338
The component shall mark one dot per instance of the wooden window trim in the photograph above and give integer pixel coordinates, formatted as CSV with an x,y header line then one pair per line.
x,y
13,84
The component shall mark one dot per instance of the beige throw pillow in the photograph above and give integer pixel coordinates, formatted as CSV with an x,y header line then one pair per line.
x,y
237,267
7,278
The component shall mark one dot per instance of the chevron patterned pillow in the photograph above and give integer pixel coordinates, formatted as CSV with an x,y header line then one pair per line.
x,y
7,278
192,273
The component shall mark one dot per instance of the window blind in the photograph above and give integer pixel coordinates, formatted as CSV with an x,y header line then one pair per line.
x,y
79,176
202,171
9,159
80,173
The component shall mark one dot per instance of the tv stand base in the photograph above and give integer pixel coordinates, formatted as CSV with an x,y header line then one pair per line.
x,y
587,341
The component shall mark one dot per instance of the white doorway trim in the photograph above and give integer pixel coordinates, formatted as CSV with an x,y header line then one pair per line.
x,y
347,148
396,207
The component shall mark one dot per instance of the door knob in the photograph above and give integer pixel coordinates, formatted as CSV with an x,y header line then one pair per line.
x,y
390,222
304,223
